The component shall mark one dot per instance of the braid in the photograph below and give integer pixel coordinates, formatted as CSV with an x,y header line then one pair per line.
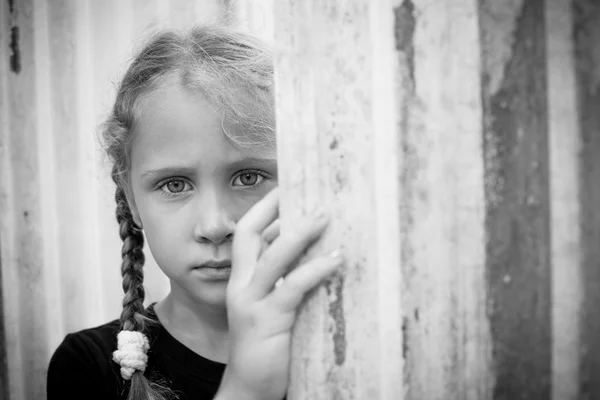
x,y
133,314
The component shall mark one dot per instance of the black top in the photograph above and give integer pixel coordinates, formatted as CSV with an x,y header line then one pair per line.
x,y
82,366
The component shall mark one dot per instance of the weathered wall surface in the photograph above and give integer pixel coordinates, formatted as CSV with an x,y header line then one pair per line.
x,y
59,243
455,142
457,145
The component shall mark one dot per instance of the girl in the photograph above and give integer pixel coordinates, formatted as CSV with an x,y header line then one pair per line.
x,y
191,138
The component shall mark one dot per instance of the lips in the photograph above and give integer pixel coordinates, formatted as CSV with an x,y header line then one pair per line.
x,y
216,264
213,271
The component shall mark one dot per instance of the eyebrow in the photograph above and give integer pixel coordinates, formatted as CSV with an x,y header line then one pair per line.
x,y
176,170
167,170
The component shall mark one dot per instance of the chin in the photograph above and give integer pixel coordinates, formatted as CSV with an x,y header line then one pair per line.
x,y
214,294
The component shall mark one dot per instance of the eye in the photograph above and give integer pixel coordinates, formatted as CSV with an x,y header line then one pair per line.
x,y
248,179
175,186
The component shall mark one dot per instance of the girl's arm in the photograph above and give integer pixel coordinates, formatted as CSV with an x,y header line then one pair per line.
x,y
261,316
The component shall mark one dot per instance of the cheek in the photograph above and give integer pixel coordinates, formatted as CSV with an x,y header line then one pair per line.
x,y
163,234
246,202
166,236
161,223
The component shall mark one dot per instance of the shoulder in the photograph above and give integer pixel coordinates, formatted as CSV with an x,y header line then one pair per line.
x,y
84,360
100,341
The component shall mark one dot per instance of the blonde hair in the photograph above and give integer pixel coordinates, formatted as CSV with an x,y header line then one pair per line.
x,y
234,72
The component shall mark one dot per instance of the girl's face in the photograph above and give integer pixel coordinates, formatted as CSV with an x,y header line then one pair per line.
x,y
190,186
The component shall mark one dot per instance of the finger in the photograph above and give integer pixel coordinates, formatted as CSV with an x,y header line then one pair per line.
x,y
290,293
247,241
271,232
276,260
261,215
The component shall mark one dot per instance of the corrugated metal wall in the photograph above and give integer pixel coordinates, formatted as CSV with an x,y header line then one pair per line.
x,y
59,239
498,133
457,145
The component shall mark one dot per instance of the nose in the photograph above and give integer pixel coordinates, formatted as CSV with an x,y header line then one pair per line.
x,y
214,223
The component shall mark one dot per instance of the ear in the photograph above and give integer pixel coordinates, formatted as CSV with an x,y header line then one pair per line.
x,y
134,210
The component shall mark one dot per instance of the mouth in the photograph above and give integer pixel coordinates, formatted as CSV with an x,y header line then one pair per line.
x,y
214,271
214,264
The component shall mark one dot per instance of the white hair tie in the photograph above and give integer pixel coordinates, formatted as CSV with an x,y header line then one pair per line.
x,y
131,354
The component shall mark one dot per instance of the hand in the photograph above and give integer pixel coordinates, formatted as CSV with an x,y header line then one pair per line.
x,y
261,314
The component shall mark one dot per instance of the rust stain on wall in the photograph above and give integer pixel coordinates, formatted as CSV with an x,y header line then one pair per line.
x,y
517,199
404,30
15,56
405,347
335,292
405,22
334,144
14,45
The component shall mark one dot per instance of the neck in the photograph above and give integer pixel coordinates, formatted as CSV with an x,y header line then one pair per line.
x,y
201,327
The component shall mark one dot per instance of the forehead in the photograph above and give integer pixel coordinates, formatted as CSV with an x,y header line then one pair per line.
x,y
176,123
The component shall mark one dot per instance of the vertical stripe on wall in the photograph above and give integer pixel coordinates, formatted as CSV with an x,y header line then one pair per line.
x,y
5,24
447,333
5,28
76,228
564,149
517,196
336,132
586,23
22,240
